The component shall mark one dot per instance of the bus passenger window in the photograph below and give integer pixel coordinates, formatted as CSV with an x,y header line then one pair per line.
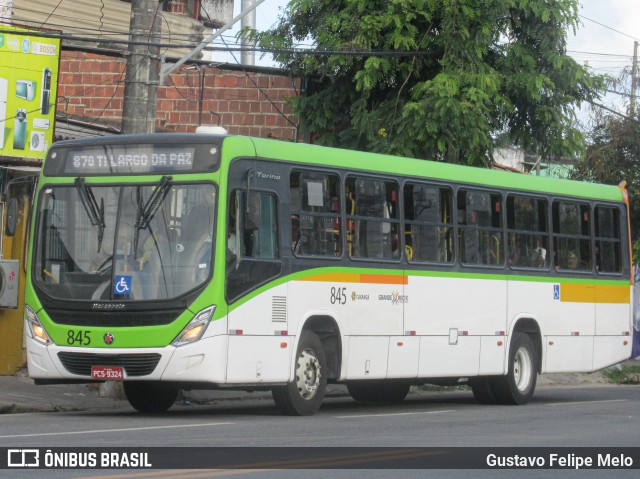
x,y
571,236
374,220
315,214
528,240
428,225
608,243
480,227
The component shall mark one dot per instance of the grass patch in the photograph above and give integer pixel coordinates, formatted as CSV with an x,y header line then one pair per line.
x,y
626,375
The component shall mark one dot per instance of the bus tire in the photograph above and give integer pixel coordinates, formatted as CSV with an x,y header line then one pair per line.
x,y
518,385
483,391
151,396
303,396
381,392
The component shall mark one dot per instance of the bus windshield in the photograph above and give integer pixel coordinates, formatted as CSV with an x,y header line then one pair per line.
x,y
124,243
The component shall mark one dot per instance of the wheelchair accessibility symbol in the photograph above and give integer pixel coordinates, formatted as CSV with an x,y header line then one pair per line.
x,y
122,285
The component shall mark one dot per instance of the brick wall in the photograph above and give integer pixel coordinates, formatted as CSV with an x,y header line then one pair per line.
x,y
178,6
91,88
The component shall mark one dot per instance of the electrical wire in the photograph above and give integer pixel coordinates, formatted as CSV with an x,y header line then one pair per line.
x,y
610,28
619,93
178,89
191,45
263,92
115,90
600,54
52,12
611,110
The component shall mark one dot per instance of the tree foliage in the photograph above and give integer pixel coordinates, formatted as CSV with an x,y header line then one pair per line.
x,y
613,154
435,78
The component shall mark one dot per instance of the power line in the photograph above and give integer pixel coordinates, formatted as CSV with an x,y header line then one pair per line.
x,y
611,110
600,54
608,27
263,92
191,45
52,12
618,93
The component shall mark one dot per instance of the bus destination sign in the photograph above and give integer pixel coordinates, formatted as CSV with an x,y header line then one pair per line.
x,y
119,160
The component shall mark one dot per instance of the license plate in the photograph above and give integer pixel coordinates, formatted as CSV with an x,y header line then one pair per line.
x,y
107,373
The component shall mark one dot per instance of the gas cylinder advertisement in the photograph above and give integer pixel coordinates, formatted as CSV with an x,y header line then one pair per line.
x,y
28,91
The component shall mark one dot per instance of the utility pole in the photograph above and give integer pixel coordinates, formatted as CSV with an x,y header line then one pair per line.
x,y
168,68
143,68
634,81
248,57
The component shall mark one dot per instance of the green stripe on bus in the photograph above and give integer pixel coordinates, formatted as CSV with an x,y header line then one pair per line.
x,y
357,160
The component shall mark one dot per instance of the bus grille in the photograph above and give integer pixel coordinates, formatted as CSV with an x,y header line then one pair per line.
x,y
113,319
133,364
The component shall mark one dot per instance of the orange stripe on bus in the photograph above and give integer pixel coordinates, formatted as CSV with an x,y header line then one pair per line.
x,y
577,293
333,278
588,293
357,278
383,279
613,294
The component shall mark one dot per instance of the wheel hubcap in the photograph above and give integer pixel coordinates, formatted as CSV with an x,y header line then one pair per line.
x,y
522,368
308,374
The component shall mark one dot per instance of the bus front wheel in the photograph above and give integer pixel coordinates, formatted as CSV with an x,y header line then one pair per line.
x,y
303,396
151,396
518,385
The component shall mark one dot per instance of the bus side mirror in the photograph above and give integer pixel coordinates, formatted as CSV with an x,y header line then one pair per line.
x,y
12,217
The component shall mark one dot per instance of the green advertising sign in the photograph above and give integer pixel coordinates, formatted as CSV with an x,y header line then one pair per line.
x,y
28,92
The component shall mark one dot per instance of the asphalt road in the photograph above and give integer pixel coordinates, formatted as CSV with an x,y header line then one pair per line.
x,y
594,416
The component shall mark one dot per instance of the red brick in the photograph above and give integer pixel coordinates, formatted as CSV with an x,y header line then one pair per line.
x,y
92,85
172,93
164,106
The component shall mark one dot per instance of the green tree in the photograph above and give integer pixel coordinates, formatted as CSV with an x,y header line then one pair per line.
x,y
613,154
435,78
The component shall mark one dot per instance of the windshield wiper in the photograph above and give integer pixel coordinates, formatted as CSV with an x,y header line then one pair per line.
x,y
146,213
94,212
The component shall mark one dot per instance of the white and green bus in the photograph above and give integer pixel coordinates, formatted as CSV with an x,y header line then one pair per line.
x,y
215,261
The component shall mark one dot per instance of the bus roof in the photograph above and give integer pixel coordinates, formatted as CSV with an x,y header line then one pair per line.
x,y
374,162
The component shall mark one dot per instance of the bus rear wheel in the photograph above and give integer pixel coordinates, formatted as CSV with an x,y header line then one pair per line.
x,y
151,396
382,392
518,385
303,396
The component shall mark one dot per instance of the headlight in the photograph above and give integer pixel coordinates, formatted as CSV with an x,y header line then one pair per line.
x,y
35,330
196,327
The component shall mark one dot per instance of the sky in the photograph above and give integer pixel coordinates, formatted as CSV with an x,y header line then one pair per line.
x,y
604,40
606,46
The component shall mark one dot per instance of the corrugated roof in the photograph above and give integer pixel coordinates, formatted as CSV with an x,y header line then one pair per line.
x,y
106,19
72,129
